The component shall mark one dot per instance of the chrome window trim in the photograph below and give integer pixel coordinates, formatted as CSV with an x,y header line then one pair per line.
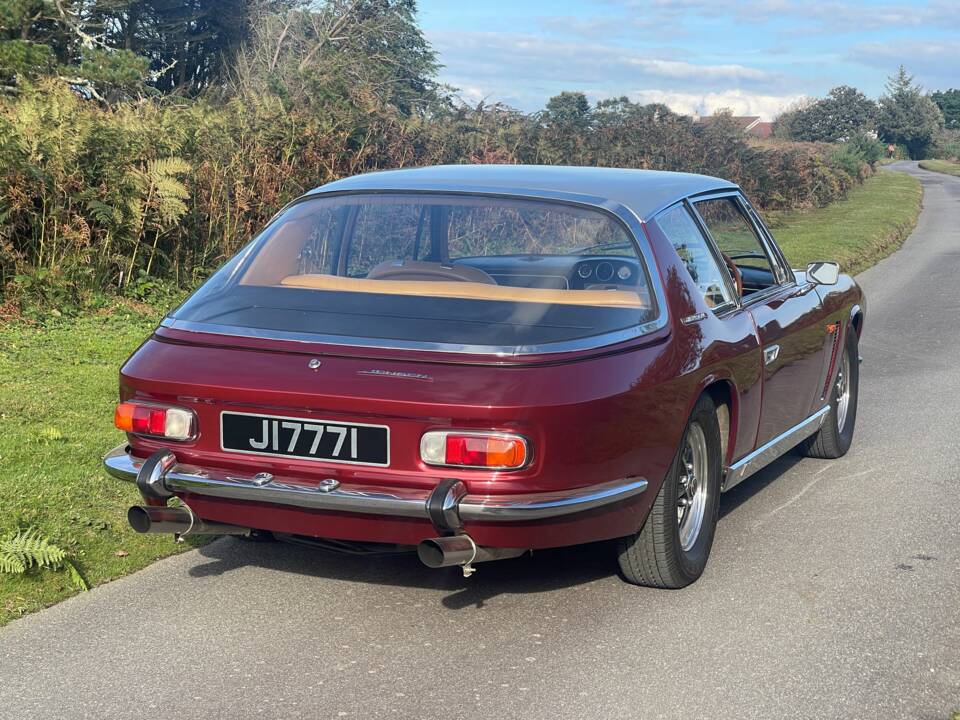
x,y
620,213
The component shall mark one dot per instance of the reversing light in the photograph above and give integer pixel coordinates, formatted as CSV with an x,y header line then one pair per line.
x,y
171,423
493,451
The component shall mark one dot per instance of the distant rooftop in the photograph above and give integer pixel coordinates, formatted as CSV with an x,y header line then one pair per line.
x,y
643,191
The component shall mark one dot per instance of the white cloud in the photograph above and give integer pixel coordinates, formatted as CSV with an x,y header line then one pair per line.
x,y
525,69
935,63
740,102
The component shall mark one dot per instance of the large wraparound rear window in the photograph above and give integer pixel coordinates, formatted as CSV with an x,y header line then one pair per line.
x,y
465,270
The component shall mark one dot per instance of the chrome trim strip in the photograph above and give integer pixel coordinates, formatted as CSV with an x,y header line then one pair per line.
x,y
695,318
536,506
588,343
770,451
398,502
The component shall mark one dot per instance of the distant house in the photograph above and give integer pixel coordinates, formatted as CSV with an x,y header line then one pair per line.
x,y
750,124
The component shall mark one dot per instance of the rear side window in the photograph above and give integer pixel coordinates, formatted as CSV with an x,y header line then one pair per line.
x,y
454,269
690,244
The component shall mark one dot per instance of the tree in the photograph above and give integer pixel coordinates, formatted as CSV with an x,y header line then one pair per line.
x,y
352,53
949,103
844,113
563,129
907,116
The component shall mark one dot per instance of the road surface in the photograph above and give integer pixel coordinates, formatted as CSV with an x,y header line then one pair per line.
x,y
833,590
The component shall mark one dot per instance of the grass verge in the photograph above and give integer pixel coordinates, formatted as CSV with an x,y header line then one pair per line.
x,y
871,223
58,386
941,166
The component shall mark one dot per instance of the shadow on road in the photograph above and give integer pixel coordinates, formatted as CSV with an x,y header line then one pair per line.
x,y
543,571
756,484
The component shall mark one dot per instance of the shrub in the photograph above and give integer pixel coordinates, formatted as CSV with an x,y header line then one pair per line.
x,y
153,194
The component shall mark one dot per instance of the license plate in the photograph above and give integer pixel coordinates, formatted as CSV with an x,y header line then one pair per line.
x,y
308,439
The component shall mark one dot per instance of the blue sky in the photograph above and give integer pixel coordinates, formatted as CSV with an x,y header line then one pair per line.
x,y
755,57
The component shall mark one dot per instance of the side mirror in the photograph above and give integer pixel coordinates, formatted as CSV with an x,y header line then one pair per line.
x,y
823,273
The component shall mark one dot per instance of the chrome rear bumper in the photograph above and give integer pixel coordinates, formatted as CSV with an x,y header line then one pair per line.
x,y
446,506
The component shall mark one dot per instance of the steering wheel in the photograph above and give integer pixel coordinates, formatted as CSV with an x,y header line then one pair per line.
x,y
735,271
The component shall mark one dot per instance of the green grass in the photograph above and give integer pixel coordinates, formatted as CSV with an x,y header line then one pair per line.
x,y
870,224
941,166
58,387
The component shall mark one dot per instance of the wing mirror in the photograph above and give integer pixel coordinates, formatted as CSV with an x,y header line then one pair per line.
x,y
823,273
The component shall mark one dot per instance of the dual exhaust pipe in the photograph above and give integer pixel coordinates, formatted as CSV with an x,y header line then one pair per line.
x,y
179,521
434,553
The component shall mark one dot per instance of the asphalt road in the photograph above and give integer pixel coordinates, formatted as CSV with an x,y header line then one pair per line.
x,y
833,590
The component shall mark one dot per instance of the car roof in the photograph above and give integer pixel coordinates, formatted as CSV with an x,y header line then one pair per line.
x,y
643,191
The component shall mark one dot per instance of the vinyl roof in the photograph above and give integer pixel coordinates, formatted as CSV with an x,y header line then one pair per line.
x,y
643,191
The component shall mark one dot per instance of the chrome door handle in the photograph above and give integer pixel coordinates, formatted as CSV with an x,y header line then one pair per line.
x,y
770,354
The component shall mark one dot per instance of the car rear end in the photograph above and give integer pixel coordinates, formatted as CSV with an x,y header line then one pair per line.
x,y
408,369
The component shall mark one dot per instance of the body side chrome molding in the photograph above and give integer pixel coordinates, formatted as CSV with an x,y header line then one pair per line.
x,y
367,499
770,451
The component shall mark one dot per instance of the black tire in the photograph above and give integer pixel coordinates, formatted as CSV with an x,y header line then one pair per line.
x,y
655,556
831,441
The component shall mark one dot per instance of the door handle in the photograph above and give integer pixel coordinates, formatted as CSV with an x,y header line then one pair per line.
x,y
770,354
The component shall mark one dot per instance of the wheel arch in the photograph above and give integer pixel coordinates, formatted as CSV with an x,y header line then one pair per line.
x,y
724,395
856,319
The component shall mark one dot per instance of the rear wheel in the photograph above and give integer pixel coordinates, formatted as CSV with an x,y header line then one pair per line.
x,y
835,436
671,550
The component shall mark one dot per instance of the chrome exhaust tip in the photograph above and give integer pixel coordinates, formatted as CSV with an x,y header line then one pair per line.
x,y
177,521
461,550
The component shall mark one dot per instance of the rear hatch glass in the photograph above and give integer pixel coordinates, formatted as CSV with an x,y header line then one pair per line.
x,y
431,269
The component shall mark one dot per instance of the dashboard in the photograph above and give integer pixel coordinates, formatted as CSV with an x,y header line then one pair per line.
x,y
561,272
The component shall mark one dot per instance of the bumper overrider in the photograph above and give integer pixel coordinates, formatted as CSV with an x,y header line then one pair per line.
x,y
448,506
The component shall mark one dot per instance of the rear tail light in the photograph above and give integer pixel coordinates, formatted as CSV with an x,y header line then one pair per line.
x,y
171,423
493,451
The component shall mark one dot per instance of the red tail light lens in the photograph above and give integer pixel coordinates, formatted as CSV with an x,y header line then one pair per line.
x,y
493,451
171,423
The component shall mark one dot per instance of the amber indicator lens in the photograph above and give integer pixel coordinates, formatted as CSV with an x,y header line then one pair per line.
x,y
172,423
474,450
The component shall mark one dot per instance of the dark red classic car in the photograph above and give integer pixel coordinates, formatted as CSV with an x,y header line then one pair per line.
x,y
485,360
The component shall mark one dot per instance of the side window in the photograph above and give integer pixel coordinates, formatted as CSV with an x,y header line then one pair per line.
x,y
691,246
736,239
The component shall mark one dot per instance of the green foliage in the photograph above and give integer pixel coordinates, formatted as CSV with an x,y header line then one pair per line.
x,y
25,549
941,166
857,155
22,58
949,103
907,116
872,222
844,113
946,144
117,74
